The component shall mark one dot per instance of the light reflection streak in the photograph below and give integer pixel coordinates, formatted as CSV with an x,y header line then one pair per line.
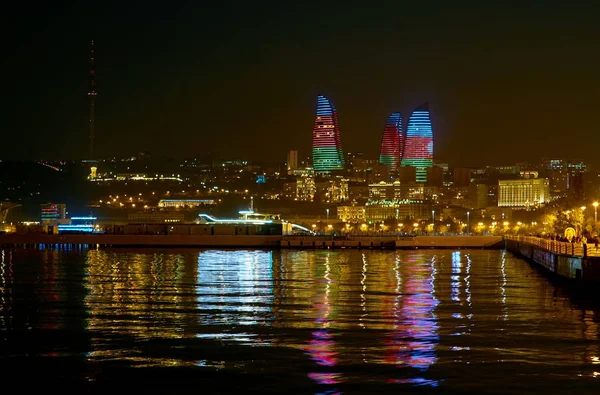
x,y
4,291
321,346
363,299
503,286
235,287
456,271
415,333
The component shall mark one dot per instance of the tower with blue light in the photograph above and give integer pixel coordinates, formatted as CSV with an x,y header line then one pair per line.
x,y
418,148
392,142
326,143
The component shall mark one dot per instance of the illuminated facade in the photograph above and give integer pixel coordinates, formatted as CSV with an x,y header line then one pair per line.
x,y
305,189
52,212
354,214
184,203
524,192
392,142
327,147
418,148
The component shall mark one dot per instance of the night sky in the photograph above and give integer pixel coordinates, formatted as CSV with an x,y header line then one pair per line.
x,y
505,82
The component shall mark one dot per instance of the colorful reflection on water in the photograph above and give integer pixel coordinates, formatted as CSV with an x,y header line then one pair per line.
x,y
300,321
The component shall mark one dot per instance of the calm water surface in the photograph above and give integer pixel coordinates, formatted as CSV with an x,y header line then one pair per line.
x,y
308,322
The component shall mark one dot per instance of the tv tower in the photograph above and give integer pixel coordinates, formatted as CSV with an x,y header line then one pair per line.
x,y
92,95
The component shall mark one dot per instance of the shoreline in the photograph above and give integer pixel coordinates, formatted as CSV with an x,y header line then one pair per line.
x,y
251,241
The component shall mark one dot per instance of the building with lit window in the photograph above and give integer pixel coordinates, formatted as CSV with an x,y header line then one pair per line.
x,y
337,191
305,189
396,191
154,217
352,214
184,203
326,143
398,209
392,142
526,192
418,148
52,212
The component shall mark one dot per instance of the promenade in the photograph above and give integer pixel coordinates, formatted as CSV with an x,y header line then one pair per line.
x,y
579,261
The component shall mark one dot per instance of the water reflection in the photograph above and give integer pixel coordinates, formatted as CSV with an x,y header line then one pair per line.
x,y
303,321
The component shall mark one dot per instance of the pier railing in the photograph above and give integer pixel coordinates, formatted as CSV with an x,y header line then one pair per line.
x,y
559,247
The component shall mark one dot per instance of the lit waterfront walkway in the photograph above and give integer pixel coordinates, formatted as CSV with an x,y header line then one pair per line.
x,y
559,247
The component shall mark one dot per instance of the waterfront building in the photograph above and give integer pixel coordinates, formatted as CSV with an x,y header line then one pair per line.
x,y
398,209
326,143
526,192
352,214
53,212
418,149
392,142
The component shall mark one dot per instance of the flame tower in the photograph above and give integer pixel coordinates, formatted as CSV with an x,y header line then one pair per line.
x,y
327,147
392,142
418,148
92,95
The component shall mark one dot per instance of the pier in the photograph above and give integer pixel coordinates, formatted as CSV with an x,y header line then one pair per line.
x,y
579,261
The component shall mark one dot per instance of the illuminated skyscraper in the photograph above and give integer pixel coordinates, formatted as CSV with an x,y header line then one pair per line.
x,y
418,149
392,142
327,147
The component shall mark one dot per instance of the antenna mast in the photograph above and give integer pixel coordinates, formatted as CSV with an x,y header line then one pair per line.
x,y
92,95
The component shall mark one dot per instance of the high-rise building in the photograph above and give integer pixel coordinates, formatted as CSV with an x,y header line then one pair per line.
x,y
392,142
327,147
407,174
292,161
435,176
462,177
418,148
525,192
478,196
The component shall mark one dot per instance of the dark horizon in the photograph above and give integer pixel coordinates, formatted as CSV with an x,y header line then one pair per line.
x,y
241,80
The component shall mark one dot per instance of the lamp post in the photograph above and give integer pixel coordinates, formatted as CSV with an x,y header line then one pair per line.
x,y
327,210
432,221
468,222
595,204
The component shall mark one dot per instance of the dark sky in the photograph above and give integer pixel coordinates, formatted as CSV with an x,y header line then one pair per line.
x,y
506,82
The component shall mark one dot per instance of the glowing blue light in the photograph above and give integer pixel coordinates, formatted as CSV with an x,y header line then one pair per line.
x,y
234,221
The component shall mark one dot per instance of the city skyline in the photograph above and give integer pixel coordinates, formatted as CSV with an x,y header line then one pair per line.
x,y
166,79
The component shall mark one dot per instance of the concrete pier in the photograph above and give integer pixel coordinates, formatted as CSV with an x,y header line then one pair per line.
x,y
575,261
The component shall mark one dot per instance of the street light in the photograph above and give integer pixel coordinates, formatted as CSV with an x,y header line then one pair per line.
x,y
432,221
468,222
327,210
595,204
